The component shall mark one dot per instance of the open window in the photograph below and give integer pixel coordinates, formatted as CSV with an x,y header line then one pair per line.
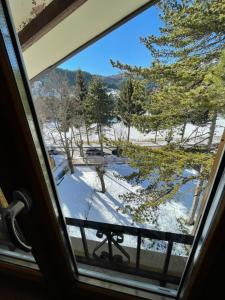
x,y
124,170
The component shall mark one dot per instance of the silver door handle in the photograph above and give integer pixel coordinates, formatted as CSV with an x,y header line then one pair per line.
x,y
21,204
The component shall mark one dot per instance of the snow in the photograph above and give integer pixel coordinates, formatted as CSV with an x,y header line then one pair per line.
x,y
118,131
81,198
78,190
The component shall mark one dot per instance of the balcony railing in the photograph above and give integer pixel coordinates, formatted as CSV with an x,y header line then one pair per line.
x,y
110,253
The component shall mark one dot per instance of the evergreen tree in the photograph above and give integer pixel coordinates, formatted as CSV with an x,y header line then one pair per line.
x,y
131,102
193,37
99,107
81,94
80,86
78,110
161,171
185,57
192,28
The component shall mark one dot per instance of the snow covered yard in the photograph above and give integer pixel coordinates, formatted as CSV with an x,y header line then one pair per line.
x,y
118,131
80,198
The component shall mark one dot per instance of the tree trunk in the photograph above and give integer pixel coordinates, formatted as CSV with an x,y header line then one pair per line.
x,y
99,128
128,132
69,158
212,130
81,144
100,172
195,202
54,141
66,148
169,136
183,132
70,162
87,134
80,149
114,132
155,140
196,134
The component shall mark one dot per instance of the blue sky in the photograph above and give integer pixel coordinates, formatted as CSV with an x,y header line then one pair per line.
x,y
122,44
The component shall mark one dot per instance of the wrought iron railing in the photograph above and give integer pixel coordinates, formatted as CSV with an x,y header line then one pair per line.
x,y
113,235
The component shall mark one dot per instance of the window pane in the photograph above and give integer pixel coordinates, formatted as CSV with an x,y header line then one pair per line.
x,y
132,125
8,251
25,168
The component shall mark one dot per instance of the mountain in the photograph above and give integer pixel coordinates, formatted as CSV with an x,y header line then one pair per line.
x,y
112,82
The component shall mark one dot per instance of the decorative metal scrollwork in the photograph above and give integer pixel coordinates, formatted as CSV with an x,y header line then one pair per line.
x,y
111,238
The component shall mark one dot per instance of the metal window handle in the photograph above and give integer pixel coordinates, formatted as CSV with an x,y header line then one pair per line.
x,y
21,204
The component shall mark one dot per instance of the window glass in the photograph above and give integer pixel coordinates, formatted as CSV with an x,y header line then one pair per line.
x,y
8,251
131,125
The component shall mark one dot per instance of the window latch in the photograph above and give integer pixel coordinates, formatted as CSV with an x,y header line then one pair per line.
x,y
21,204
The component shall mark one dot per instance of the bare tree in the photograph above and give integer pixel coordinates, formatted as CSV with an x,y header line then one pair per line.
x,y
100,170
39,103
59,103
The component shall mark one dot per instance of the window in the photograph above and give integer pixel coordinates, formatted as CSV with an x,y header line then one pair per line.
x,y
23,167
128,153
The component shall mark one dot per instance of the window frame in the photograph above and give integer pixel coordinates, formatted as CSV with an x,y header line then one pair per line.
x,y
209,238
50,245
58,251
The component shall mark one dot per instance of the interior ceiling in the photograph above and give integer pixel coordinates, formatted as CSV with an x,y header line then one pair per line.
x,y
25,10
85,23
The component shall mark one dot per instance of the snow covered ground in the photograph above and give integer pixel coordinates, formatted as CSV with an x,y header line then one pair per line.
x,y
80,198
118,131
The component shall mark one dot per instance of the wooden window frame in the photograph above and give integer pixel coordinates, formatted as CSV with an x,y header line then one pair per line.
x,y
53,14
99,36
51,246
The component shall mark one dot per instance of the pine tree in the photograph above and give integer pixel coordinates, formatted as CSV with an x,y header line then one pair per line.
x,y
191,28
81,94
193,37
80,86
99,107
185,58
131,102
162,172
